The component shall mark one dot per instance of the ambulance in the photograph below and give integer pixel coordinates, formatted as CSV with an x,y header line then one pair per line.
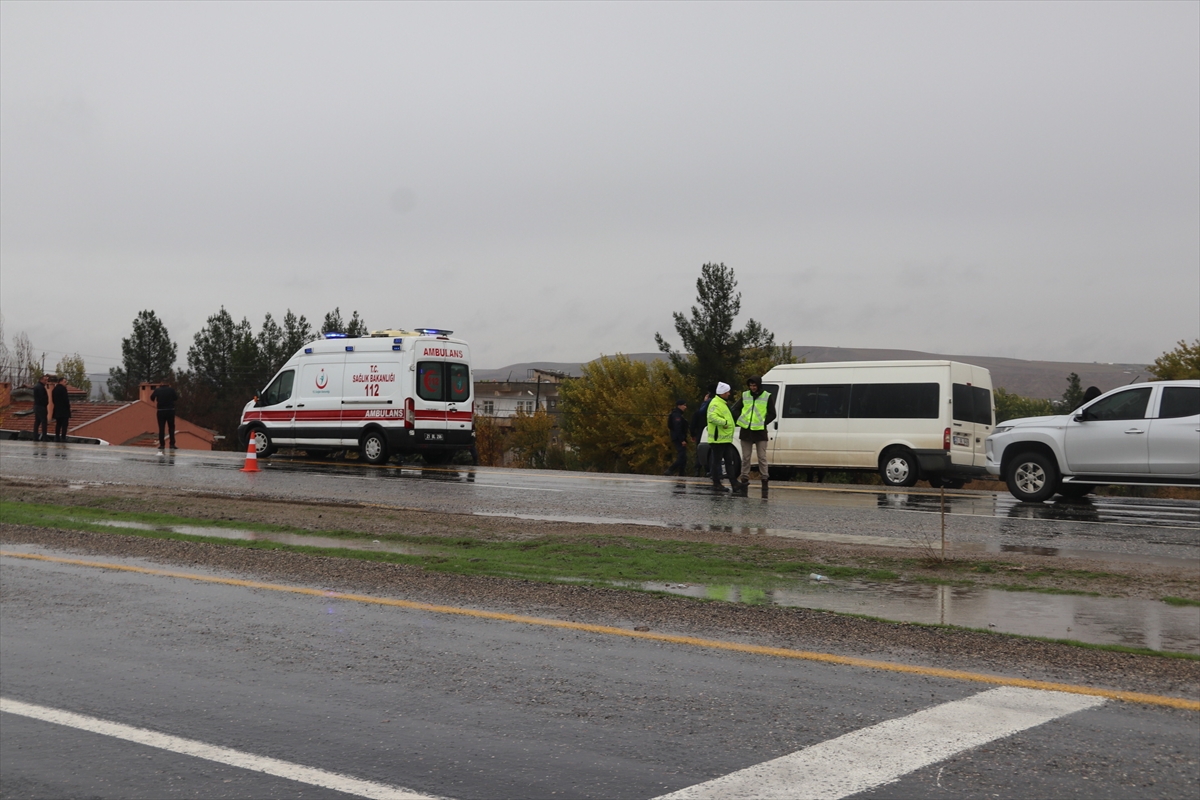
x,y
390,393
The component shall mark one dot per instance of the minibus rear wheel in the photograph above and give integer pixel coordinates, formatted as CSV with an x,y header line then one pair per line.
x,y
898,467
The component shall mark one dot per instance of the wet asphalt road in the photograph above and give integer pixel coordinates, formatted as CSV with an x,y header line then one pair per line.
x,y
1119,527
469,708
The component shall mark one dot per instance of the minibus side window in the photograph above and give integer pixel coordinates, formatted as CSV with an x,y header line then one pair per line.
x,y
460,383
894,401
429,380
983,405
963,403
280,389
829,401
972,404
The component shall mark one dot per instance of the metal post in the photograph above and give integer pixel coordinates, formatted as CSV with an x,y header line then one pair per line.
x,y
943,522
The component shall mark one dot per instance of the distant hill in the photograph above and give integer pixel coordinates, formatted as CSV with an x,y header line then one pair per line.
x,y
1028,378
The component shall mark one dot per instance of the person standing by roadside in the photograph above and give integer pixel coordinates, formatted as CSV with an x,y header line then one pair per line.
x,y
62,408
699,420
678,427
720,438
165,397
756,414
41,410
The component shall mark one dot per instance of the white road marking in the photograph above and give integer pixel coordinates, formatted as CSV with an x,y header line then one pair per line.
x,y
885,752
222,755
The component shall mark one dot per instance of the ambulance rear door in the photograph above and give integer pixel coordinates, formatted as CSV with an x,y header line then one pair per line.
x,y
443,388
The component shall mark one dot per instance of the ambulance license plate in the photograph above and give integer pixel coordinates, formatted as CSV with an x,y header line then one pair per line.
x,y
962,441
435,437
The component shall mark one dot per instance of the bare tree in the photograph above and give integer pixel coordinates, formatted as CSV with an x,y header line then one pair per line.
x,y
23,365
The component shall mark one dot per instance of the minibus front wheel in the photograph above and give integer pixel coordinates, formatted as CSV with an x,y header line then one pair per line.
x,y
898,467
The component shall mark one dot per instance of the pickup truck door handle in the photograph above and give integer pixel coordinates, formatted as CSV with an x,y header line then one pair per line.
x,y
1135,430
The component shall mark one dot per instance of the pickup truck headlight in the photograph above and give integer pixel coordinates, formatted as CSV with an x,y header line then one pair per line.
x,y
1003,428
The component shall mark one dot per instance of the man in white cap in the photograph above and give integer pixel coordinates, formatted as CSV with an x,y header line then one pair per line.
x,y
720,438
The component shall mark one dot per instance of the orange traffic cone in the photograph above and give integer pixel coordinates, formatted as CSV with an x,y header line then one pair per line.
x,y
251,456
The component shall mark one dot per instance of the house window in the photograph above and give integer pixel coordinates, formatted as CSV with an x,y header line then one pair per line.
x,y
487,408
551,403
525,405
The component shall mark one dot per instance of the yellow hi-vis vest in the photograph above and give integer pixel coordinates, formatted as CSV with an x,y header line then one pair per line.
x,y
754,411
720,421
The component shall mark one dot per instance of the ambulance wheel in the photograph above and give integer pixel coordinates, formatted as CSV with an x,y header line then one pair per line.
x,y
374,448
263,447
898,467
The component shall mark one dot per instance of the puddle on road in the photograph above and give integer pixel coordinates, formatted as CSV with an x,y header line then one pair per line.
x,y
301,540
1096,620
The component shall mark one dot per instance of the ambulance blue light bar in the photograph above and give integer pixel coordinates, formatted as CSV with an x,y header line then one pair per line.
x,y
434,331
335,335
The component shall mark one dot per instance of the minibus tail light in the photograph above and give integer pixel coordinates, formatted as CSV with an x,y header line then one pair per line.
x,y
946,439
410,414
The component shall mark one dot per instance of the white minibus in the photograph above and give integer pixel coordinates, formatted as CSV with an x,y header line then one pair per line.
x,y
909,420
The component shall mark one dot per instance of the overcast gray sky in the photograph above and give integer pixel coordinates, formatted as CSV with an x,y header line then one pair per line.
x,y
1009,179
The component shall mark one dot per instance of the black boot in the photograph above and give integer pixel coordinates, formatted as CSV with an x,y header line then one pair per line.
x,y
742,489
764,484
719,488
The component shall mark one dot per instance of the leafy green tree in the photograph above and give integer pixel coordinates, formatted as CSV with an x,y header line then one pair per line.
x,y
1073,397
615,414
296,332
1182,363
270,347
71,369
356,326
147,356
1014,406
220,350
712,350
333,324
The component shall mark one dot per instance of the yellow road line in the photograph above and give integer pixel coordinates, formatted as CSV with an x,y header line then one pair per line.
x,y
692,641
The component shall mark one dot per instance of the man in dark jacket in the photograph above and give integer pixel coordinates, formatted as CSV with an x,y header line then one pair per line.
x,y
165,398
62,408
41,410
678,427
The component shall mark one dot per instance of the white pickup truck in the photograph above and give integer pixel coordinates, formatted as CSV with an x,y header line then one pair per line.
x,y
1147,434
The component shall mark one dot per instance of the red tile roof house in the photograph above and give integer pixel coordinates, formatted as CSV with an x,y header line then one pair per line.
x,y
124,422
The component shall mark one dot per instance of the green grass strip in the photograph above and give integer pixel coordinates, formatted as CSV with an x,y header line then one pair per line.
x,y
1180,601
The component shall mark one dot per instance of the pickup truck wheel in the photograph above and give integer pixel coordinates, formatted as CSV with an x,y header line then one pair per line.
x,y
263,448
374,448
898,467
1032,477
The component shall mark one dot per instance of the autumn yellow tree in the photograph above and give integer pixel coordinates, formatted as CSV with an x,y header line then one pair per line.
x,y
530,440
1179,364
489,441
615,414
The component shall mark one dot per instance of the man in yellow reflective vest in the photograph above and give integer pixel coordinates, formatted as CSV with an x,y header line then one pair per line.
x,y
720,438
757,412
